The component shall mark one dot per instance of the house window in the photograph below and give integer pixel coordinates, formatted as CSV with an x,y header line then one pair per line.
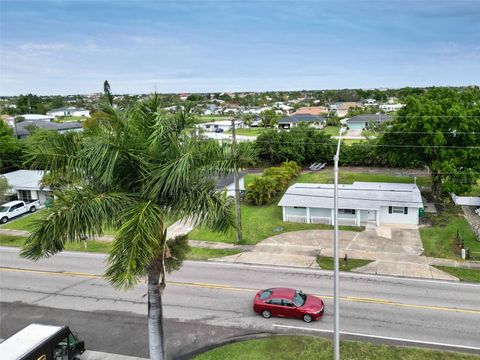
x,y
298,207
397,210
25,195
346,211
207,126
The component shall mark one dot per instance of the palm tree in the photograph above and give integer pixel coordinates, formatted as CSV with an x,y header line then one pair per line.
x,y
132,173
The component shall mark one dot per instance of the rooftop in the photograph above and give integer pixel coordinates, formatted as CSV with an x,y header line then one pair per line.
x,y
296,118
24,179
359,195
369,117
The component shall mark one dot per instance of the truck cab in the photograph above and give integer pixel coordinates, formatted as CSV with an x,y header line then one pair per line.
x,y
42,342
15,208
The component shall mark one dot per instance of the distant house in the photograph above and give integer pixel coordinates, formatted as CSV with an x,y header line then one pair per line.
x,y
228,183
22,128
391,107
360,203
341,109
312,110
69,111
224,125
26,185
35,117
361,122
288,122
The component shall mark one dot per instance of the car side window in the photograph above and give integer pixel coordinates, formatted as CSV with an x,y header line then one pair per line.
x,y
276,302
288,303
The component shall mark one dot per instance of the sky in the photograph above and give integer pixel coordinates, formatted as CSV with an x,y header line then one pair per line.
x,y
72,46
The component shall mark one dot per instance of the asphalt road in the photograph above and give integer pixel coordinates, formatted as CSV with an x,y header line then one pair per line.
x,y
208,302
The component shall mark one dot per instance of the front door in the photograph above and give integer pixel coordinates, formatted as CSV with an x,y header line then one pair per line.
x,y
372,215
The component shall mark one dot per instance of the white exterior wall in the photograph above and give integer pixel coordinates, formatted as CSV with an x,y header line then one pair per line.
x,y
231,187
81,113
320,216
410,218
293,214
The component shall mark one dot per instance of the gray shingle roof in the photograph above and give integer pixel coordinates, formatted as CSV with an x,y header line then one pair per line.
x,y
69,125
359,195
365,118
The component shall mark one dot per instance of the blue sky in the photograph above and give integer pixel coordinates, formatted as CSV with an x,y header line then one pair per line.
x,y
72,46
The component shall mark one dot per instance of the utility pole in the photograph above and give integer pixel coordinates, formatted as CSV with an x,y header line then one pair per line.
x,y
336,307
237,187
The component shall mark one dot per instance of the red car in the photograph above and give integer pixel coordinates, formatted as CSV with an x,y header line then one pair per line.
x,y
288,303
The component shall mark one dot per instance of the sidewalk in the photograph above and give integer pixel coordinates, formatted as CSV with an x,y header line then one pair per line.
x,y
95,355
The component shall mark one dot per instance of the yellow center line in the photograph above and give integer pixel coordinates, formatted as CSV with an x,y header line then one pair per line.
x,y
233,288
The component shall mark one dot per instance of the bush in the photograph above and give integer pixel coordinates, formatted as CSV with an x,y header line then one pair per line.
x,y
274,180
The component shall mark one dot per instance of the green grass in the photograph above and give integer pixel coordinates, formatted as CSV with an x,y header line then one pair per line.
x,y
475,191
210,118
348,177
203,253
351,141
24,222
92,246
258,224
332,130
104,247
69,118
254,131
472,275
439,240
313,348
326,263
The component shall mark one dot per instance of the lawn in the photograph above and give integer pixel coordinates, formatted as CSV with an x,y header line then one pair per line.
x,y
69,118
104,247
331,130
348,177
472,275
253,131
313,348
326,263
259,223
439,240
210,118
24,222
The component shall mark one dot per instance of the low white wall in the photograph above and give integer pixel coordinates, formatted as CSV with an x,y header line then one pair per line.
x,y
466,200
410,218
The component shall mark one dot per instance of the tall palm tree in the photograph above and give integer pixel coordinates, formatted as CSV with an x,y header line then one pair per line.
x,y
132,173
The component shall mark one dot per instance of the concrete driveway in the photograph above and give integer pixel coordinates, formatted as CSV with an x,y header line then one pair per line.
x,y
394,250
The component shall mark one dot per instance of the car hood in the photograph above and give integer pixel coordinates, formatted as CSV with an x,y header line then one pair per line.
x,y
313,303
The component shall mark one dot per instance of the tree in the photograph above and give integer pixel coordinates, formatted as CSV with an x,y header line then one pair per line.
x,y
248,118
269,118
132,174
10,149
27,104
107,93
3,188
439,130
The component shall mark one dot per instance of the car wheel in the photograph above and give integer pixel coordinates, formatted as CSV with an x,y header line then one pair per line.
x,y
4,220
33,209
307,318
266,314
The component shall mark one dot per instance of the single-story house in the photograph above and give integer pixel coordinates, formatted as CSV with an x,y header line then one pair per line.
x,y
69,111
35,117
225,125
26,185
21,128
358,203
360,122
288,122
228,183
312,110
341,108
391,107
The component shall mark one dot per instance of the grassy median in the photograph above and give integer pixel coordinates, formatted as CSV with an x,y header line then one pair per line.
x,y
326,263
312,348
471,275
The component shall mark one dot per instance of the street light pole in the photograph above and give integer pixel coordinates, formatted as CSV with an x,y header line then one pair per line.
x,y
336,307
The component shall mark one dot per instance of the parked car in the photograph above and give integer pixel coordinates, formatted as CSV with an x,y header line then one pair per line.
x,y
15,208
289,303
218,130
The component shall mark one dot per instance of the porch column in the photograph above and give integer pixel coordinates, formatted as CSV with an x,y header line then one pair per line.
x,y
284,216
357,220
377,213
308,215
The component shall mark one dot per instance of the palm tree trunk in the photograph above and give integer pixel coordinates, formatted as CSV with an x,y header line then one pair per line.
x,y
156,333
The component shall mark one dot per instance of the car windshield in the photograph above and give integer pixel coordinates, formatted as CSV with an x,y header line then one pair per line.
x,y
3,209
300,298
